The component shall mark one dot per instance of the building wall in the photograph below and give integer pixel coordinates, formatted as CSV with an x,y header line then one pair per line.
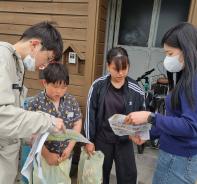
x,y
193,13
100,43
80,22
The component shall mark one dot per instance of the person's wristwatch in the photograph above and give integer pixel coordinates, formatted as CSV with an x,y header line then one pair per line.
x,y
151,118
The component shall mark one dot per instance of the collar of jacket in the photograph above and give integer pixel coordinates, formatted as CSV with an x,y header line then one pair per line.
x,y
125,89
125,85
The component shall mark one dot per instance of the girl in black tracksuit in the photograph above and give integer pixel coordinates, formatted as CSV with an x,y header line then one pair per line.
x,y
115,93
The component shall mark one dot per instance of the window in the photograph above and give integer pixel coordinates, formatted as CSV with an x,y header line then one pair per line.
x,y
143,22
172,12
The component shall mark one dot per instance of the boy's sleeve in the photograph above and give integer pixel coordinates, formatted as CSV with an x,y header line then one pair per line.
x,y
76,110
30,104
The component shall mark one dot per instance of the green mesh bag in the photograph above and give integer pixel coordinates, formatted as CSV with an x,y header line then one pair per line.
x,y
68,135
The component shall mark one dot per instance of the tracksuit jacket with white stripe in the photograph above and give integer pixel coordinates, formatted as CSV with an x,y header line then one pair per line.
x,y
133,99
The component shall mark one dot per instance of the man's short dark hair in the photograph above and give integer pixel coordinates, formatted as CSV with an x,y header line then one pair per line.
x,y
49,36
56,72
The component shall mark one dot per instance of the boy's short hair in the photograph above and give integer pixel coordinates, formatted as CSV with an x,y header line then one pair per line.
x,y
56,72
49,36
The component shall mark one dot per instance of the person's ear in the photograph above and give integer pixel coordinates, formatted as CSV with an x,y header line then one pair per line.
x,y
107,65
128,67
34,43
44,83
181,58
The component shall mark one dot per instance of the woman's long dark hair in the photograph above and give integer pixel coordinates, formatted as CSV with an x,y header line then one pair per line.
x,y
184,37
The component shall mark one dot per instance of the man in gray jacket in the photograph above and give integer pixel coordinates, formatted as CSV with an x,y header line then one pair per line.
x,y
38,45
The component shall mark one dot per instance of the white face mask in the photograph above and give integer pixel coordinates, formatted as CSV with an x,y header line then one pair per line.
x,y
172,64
29,63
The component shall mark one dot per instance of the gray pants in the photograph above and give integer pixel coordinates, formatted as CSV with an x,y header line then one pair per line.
x,y
9,156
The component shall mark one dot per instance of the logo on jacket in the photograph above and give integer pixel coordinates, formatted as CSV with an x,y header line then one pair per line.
x,y
130,103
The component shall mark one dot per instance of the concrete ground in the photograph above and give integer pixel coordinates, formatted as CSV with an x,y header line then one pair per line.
x,y
145,162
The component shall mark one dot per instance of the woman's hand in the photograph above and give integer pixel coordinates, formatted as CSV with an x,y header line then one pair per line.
x,y
137,140
136,118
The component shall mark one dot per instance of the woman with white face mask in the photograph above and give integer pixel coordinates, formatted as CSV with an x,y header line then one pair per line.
x,y
177,130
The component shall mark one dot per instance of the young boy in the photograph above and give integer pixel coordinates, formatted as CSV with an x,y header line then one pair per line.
x,y
38,45
56,101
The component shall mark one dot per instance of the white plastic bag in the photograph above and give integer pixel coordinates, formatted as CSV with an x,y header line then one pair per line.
x,y
90,168
53,174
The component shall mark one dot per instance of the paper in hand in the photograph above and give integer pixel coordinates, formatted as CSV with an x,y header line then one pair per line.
x,y
120,128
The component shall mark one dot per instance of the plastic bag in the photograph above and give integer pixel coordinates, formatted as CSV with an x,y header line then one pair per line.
x,y
90,168
53,174
25,149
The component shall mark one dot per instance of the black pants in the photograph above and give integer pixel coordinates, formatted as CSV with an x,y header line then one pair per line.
x,y
123,155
